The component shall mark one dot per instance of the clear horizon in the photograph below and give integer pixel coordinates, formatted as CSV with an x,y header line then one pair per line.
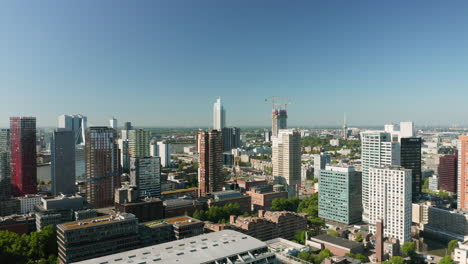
x,y
164,63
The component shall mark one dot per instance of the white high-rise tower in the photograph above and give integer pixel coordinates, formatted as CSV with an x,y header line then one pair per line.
x,y
75,123
219,115
286,159
113,123
377,149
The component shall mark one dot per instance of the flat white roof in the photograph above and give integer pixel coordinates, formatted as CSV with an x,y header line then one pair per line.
x,y
198,249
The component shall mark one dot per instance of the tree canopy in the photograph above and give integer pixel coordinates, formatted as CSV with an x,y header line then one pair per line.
x,y
315,258
452,245
395,260
37,247
218,214
446,260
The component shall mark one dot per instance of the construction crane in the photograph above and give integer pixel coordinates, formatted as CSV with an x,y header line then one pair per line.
x,y
279,103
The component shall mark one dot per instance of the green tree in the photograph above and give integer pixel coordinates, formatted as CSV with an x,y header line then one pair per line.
x,y
285,204
409,249
359,257
359,237
446,260
300,236
452,245
395,260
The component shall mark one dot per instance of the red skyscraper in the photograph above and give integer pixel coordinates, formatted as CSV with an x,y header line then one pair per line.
x,y
210,171
23,155
448,173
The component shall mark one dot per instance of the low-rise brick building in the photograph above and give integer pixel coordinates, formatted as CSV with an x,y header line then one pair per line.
x,y
263,196
231,197
271,224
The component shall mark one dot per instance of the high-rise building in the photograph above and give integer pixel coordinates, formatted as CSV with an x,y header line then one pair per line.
x,y
320,162
345,128
80,163
127,126
210,160
231,138
279,121
76,123
163,150
124,154
406,129
139,143
462,181
113,123
5,139
447,171
411,159
377,149
23,155
63,162
5,170
267,135
219,115
5,175
102,166
390,201
340,194
145,173
286,159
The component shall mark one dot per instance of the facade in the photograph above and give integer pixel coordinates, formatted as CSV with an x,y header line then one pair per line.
x,y
19,224
462,187
447,171
80,162
231,197
262,197
390,201
139,143
63,162
23,155
279,119
9,207
185,226
113,123
231,138
406,129
320,162
96,237
460,255
75,123
164,151
181,206
411,159
102,166
337,245
28,202
144,210
226,246
210,160
434,183
5,175
219,115
124,154
340,197
286,158
377,149
145,173
269,225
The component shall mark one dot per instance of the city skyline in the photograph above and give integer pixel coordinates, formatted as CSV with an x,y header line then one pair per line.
x,y
132,60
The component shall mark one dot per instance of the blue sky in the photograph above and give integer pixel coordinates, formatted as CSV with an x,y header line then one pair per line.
x,y
163,63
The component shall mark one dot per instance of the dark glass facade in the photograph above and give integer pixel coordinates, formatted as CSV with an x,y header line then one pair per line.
x,y
411,159
447,171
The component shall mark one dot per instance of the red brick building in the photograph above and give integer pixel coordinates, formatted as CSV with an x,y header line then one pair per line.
x,y
447,172
262,198
210,160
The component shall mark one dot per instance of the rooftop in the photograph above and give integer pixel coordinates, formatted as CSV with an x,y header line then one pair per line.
x,y
97,221
336,241
200,249
181,220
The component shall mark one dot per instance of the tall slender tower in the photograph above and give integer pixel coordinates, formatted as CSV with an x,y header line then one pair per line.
x,y
113,123
219,115
5,171
62,167
139,143
102,166
462,188
279,119
23,155
345,128
286,159
210,160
